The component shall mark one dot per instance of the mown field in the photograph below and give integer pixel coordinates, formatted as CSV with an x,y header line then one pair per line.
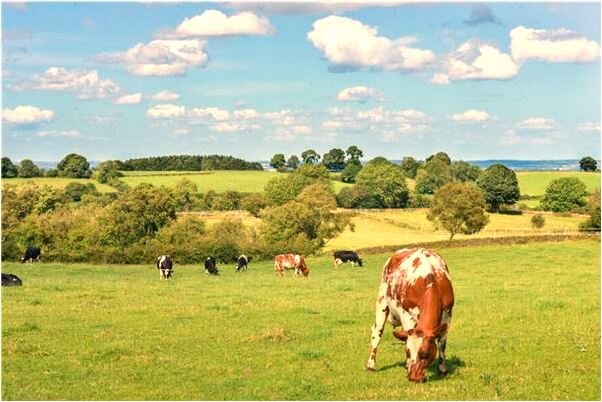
x,y
535,183
526,326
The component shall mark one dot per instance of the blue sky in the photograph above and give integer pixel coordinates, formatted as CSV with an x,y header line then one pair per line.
x,y
479,81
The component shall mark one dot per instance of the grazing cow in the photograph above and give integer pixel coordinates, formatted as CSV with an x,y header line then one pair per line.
x,y
242,263
290,261
211,266
416,293
31,254
165,266
343,256
11,280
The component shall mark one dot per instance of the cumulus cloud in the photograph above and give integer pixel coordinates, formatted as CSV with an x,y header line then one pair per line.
x,y
165,96
536,123
160,57
348,44
59,134
166,111
212,113
476,61
556,46
389,123
589,126
87,84
130,99
246,114
470,116
481,14
22,115
360,94
216,23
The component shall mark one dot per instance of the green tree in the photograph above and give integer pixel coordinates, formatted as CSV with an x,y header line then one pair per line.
x,y
278,161
354,153
227,201
184,194
435,174
108,171
588,164
409,166
500,186
538,221
564,194
8,168
310,157
293,162
75,191
441,156
28,169
334,159
459,208
283,189
352,168
463,171
593,210
74,166
386,182
358,197
253,203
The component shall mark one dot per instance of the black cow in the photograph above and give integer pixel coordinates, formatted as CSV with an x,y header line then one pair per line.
x,y
346,256
31,254
165,266
11,280
242,262
211,266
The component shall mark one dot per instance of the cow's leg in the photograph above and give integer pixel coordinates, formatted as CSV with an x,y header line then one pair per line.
x,y
352,264
381,313
160,275
441,344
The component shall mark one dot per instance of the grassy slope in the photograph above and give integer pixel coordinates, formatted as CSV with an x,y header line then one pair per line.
x,y
535,183
526,326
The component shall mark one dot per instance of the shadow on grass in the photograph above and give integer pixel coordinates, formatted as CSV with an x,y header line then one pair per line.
x,y
453,363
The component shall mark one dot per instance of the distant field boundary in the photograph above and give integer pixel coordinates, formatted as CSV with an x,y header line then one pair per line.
x,y
158,173
488,241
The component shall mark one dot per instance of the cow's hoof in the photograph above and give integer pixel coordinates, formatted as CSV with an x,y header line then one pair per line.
x,y
370,369
443,373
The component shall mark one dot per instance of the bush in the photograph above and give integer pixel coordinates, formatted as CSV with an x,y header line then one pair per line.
x,y
418,200
538,221
253,203
358,197
564,195
74,191
227,201
352,168
593,210
283,189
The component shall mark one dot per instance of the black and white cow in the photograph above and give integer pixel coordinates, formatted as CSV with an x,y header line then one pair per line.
x,y
242,263
32,254
343,256
211,266
11,280
165,266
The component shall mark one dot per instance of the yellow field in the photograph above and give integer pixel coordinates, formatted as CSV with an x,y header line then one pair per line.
x,y
57,182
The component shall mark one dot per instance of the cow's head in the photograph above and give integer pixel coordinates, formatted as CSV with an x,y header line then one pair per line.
x,y
360,262
421,350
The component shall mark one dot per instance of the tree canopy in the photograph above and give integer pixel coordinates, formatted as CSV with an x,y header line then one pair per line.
x,y
564,194
334,159
74,166
500,186
588,164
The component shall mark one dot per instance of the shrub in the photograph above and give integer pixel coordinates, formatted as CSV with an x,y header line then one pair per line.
x,y
283,189
352,168
538,221
358,197
74,191
418,200
253,203
564,194
593,210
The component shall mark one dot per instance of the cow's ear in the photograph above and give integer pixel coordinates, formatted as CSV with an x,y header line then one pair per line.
x,y
401,335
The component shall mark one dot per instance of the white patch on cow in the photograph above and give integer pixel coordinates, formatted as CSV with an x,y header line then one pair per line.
x,y
413,345
161,259
408,319
297,258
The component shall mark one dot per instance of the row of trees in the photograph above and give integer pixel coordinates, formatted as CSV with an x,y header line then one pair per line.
x,y
334,160
73,166
189,163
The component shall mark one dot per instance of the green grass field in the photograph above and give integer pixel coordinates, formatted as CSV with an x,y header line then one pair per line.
x,y
535,183
526,326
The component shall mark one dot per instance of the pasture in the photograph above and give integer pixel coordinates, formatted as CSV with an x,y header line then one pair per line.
x,y
535,183
526,325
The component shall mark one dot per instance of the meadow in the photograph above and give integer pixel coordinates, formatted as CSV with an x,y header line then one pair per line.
x,y
526,325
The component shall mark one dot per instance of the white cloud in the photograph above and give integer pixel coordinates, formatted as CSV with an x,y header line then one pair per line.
x,y
216,23
131,99
301,129
476,61
160,57
210,113
165,96
360,94
348,43
377,121
470,116
87,84
225,127
555,45
303,7
59,134
26,115
245,114
511,138
589,126
167,111
536,123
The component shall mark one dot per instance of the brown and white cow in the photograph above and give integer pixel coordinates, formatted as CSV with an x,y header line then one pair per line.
x,y
290,261
416,293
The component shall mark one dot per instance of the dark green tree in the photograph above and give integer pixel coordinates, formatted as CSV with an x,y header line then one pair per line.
x,y
439,155
352,168
108,171
564,194
463,171
74,166
293,162
459,208
500,186
8,168
410,166
28,169
588,164
354,153
334,160
435,174
75,191
278,161
310,157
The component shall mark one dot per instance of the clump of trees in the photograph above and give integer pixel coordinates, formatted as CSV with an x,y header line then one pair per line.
x,y
189,162
588,164
564,194
283,189
500,186
459,208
